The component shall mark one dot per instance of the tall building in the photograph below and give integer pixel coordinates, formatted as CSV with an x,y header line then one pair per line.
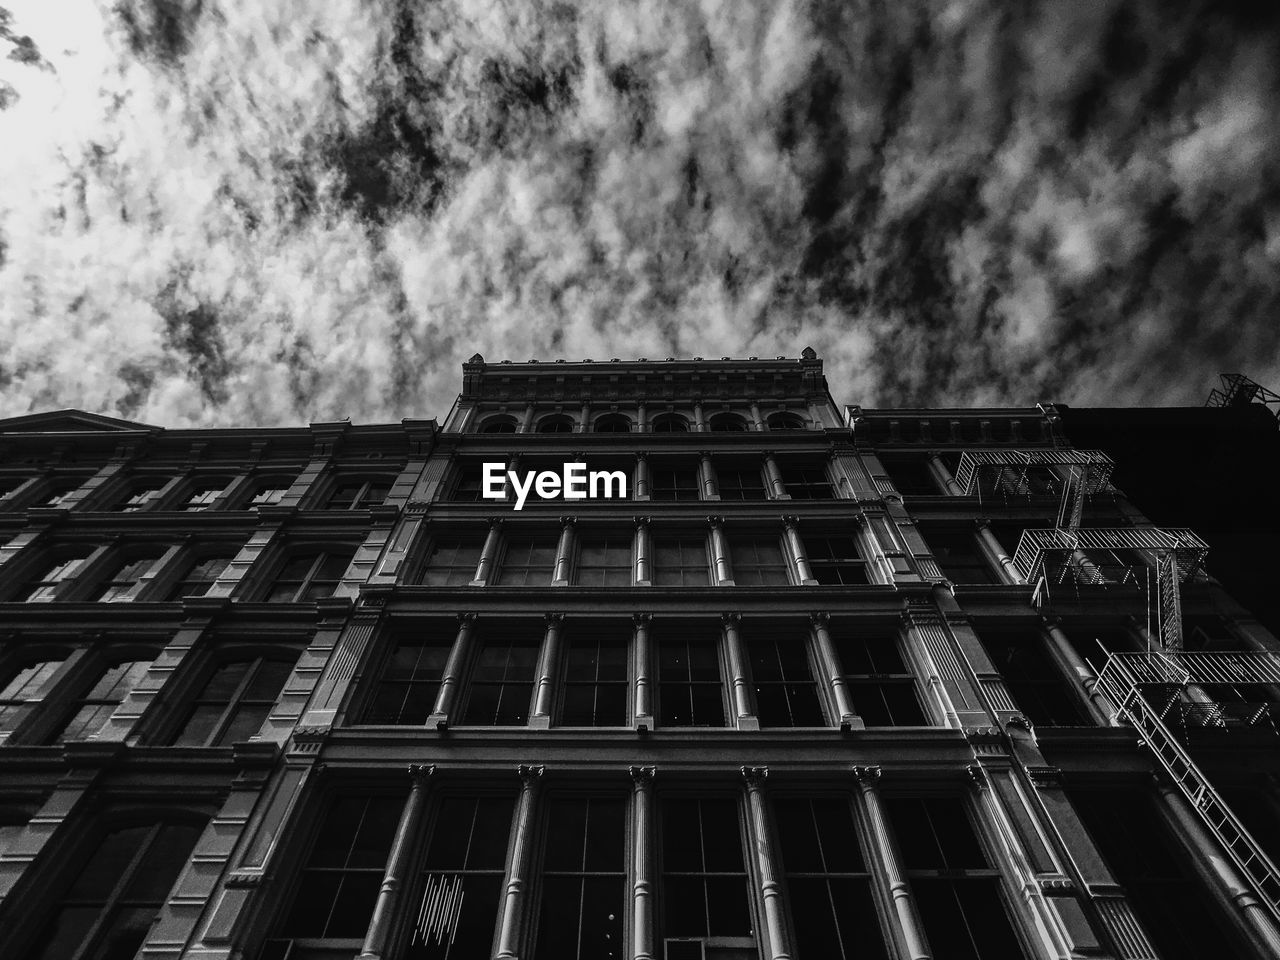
x,y
787,680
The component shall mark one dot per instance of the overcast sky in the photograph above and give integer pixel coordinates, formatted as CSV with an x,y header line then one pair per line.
x,y
217,212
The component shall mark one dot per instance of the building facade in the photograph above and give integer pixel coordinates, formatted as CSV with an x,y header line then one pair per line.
x,y
821,682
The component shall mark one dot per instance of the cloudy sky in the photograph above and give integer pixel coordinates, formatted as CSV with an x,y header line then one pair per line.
x,y
224,211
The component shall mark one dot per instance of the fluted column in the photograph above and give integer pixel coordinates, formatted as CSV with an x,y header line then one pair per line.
x,y
584,425
903,906
459,653
830,663
642,927
777,489
548,662
720,554
756,418
796,546
770,888
1062,650
746,718
699,423
509,934
526,423
1008,569
642,418
943,475
644,553
564,553
375,939
488,553
642,477
643,659
707,475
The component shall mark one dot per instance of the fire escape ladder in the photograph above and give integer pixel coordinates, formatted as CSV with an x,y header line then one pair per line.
x,y
1170,600
1121,681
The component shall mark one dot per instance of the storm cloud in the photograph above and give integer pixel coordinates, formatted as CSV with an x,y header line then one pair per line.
x,y
216,212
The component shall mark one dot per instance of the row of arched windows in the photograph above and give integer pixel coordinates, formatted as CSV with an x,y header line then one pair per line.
x,y
723,422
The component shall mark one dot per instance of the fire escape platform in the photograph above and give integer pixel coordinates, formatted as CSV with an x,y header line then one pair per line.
x,y
1041,546
1095,465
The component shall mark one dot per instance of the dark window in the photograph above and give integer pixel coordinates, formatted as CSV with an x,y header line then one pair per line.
x,y
118,890
556,424
142,495
956,890
1037,685
836,561
200,576
680,563
123,578
91,710
689,687
613,423
784,421
468,486
728,423
406,691
57,572
528,561
235,702
739,482
704,879
883,690
595,689
452,561
462,881
8,485
807,482
358,494
829,885
339,885
957,554
757,561
670,423
502,681
312,575
786,693
59,492
269,493
604,561
911,476
674,483
20,687
499,425
1255,807
583,885
202,495
1183,921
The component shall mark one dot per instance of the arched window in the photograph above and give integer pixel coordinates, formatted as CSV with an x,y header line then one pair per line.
x,y
499,424
784,421
728,423
670,423
613,423
557,423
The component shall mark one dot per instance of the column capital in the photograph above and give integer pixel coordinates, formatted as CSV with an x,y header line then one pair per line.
x,y
731,619
420,772
715,521
820,618
465,618
643,454
553,618
766,453
641,618
641,521
493,521
642,774
755,776
530,772
790,520
568,521
982,523
866,775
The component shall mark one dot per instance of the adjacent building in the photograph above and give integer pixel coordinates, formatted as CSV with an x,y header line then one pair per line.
x,y
814,682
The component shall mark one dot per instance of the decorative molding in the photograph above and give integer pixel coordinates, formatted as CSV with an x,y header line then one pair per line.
x,y
978,775
868,775
755,776
530,772
642,774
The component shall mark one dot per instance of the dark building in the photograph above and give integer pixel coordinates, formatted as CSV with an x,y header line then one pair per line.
x,y
817,683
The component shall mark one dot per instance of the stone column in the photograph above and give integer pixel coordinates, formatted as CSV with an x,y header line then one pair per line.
x,y
756,418
745,716
644,553
526,424
1062,650
770,888
584,425
509,934
393,878
643,869
707,474
451,681
564,553
830,664
777,489
883,846
548,662
642,477
699,424
720,554
943,476
1009,572
796,546
642,419
643,658
488,553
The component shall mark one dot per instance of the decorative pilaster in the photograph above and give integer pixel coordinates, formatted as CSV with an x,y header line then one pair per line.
x,y
564,553
738,673
548,663
459,653
644,553
642,928
721,566
830,663
770,888
796,546
393,878
509,935
488,553
643,657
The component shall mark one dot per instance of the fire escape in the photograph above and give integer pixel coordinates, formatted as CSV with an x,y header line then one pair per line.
x,y
1165,685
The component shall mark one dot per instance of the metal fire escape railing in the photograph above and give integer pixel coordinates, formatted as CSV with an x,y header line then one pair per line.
x,y
1237,390
1122,681
1012,466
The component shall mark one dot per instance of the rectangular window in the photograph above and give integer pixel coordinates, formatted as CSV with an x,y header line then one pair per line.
x,y
502,681
595,687
201,497
21,687
674,483
680,562
957,891
467,486
125,577
456,916
310,575
406,691
831,900
200,577
882,688
268,496
758,561
807,482
911,476
583,887
704,878
358,494
527,562
835,561
452,561
1037,685
604,561
957,554
689,685
91,711
739,481
786,693
143,496
45,587
235,702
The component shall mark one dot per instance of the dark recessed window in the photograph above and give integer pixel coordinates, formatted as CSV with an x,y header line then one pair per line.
x,y
704,878
739,482
883,690
690,691
680,562
784,421
90,711
612,423
406,692
59,492
452,561
911,476
670,423
20,687
584,895
786,692
235,702
467,486
674,483
1038,687
499,424
310,575
831,900
502,681
527,562
358,494
558,423
604,561
836,561
595,677
124,577
201,496
55,573
269,493
728,423
957,554
200,577
757,561
142,495
807,482
8,485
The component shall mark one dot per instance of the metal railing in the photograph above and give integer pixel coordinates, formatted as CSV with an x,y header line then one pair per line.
x,y
972,463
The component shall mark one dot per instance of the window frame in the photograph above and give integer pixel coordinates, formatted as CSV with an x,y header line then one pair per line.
x,y
658,540
690,635
363,481
257,656
322,550
581,541
607,632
